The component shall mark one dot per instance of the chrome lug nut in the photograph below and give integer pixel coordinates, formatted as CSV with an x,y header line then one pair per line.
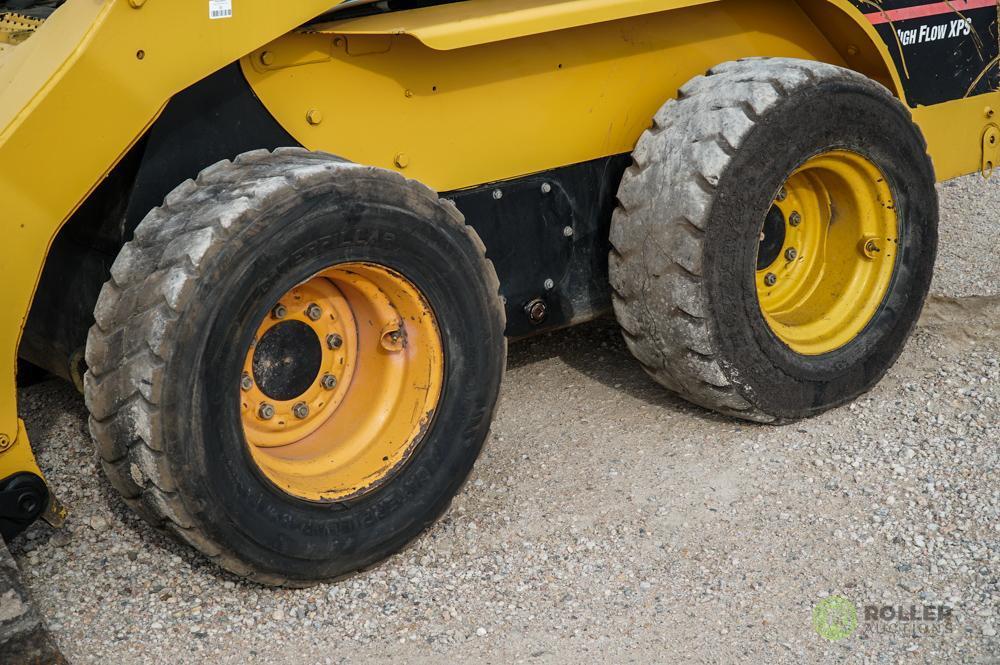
x,y
279,311
791,253
334,341
301,410
314,312
770,279
246,383
795,219
265,411
329,381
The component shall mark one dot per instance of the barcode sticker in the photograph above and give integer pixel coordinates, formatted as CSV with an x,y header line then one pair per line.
x,y
220,8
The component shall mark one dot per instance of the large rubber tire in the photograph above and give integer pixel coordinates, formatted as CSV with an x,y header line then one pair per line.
x,y
174,323
692,205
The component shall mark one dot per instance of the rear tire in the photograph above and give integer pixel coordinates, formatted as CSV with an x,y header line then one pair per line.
x,y
186,300
689,239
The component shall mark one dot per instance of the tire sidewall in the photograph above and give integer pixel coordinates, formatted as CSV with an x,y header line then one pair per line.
x,y
296,237
840,114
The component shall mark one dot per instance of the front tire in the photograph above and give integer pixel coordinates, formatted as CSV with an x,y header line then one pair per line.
x,y
295,364
775,238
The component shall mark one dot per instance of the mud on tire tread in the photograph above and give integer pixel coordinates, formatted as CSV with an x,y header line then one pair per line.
x,y
139,309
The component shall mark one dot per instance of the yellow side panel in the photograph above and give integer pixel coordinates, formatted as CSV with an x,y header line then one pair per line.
x,y
76,95
499,110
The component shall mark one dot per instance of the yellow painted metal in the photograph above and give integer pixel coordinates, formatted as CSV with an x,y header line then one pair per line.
x,y
388,362
73,99
462,24
16,454
503,109
837,260
954,132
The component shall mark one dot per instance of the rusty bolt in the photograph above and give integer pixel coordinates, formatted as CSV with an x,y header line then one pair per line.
x,y
300,410
246,383
536,310
279,311
329,381
265,411
795,219
334,341
313,312
770,279
791,253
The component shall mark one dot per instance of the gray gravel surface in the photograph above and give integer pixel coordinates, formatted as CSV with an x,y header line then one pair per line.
x,y
608,521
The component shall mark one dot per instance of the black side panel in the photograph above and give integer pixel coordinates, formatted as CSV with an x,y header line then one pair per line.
x,y
217,118
549,226
942,50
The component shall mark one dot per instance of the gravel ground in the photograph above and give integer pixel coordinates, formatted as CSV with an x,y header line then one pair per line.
x,y
609,521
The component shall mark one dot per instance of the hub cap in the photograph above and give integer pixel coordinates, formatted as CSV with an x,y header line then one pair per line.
x,y
824,270
340,382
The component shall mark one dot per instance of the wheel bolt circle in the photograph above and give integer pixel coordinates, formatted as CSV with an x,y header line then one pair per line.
x,y
246,383
791,253
334,341
329,381
795,219
314,312
279,311
301,410
770,279
265,411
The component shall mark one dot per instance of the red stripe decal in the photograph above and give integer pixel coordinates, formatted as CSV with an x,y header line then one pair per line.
x,y
931,9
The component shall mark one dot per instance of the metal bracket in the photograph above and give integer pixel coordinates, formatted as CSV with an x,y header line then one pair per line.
x,y
991,149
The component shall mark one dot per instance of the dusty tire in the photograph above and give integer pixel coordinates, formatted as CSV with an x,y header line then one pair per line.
x,y
687,235
175,322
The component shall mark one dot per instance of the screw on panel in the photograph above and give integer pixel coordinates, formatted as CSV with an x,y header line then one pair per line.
x,y
314,116
401,160
567,231
549,285
497,194
546,188
267,58
5,442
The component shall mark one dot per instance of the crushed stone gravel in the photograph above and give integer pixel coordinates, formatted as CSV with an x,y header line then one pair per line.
x,y
607,521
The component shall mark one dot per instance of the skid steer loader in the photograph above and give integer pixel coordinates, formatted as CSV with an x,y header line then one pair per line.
x,y
280,246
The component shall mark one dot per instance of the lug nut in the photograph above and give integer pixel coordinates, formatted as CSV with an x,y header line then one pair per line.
x,y
279,311
301,410
536,311
782,194
329,381
334,341
314,312
265,411
546,188
770,279
795,219
246,383
791,254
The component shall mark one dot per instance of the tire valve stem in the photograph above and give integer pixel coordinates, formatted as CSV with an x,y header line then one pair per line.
x,y
770,279
392,340
329,381
246,383
871,248
265,411
301,410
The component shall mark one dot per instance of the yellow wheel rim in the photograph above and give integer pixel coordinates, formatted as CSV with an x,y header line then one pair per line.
x,y
827,252
341,381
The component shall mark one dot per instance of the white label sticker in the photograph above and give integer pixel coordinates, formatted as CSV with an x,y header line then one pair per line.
x,y
220,8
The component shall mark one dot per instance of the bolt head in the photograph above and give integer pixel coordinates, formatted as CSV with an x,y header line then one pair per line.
x,y
401,160
279,311
329,381
301,410
313,311
497,194
246,383
334,341
791,253
314,116
568,231
549,285
782,194
536,311
770,279
546,188
265,411
266,58
795,219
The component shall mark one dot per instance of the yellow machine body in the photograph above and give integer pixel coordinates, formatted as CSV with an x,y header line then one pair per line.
x,y
453,95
